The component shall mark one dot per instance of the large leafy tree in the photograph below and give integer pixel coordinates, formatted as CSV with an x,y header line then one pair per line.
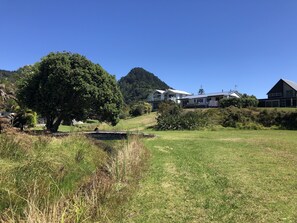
x,y
66,86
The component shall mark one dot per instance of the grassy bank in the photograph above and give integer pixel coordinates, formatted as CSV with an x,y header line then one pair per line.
x,y
71,179
219,176
132,124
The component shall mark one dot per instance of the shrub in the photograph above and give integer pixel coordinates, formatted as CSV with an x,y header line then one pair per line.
x,y
169,108
288,120
171,117
140,108
25,117
245,101
231,116
194,120
125,113
268,118
228,102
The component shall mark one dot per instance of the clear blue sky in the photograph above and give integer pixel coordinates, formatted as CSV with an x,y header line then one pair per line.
x,y
214,43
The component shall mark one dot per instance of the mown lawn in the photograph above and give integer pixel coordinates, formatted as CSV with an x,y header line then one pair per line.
x,y
218,176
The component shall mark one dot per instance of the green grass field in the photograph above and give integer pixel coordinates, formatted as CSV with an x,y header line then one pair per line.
x,y
227,175
218,176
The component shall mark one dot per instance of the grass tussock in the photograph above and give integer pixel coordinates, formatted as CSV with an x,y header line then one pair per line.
x,y
68,179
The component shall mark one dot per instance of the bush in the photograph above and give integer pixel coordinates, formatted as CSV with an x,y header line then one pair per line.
x,y
228,102
140,108
25,117
194,120
232,116
125,113
245,101
288,120
269,118
171,117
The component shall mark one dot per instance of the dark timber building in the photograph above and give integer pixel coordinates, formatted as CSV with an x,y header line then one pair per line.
x,y
282,94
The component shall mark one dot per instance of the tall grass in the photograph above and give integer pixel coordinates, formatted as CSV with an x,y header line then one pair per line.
x,y
66,179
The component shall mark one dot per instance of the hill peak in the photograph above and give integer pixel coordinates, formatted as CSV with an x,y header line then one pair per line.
x,y
138,83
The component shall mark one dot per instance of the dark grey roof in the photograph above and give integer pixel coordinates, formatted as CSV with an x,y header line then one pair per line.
x,y
291,84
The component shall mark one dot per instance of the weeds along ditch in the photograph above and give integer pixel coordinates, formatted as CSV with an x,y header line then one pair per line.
x,y
67,179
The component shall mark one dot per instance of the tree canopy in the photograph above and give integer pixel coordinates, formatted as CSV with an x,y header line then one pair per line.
x,y
66,86
138,83
243,102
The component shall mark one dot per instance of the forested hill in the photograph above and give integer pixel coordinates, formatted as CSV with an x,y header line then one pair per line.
x,y
138,83
6,74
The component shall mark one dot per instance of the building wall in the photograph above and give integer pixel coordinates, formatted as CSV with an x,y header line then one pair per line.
x,y
288,91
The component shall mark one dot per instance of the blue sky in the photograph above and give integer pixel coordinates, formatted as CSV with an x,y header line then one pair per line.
x,y
214,43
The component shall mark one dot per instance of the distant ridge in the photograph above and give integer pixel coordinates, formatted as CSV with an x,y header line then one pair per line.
x,y
138,83
6,74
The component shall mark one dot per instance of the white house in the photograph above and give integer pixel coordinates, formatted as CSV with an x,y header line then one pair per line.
x,y
207,100
157,96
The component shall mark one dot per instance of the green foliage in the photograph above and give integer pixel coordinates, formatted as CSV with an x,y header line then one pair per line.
x,y
193,120
231,116
66,86
8,82
125,113
140,108
244,101
228,102
171,117
169,108
269,118
8,76
289,121
244,118
25,117
138,83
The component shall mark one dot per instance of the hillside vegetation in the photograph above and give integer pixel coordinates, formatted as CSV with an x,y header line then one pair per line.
x,y
138,83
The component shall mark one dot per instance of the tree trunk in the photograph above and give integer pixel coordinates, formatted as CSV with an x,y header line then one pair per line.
x,y
56,125
53,125
49,123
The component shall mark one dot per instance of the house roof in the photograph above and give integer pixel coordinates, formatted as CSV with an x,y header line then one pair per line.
x,y
291,84
178,92
233,94
288,82
160,91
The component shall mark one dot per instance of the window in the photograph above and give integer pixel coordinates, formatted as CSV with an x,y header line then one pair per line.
x,y
275,94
